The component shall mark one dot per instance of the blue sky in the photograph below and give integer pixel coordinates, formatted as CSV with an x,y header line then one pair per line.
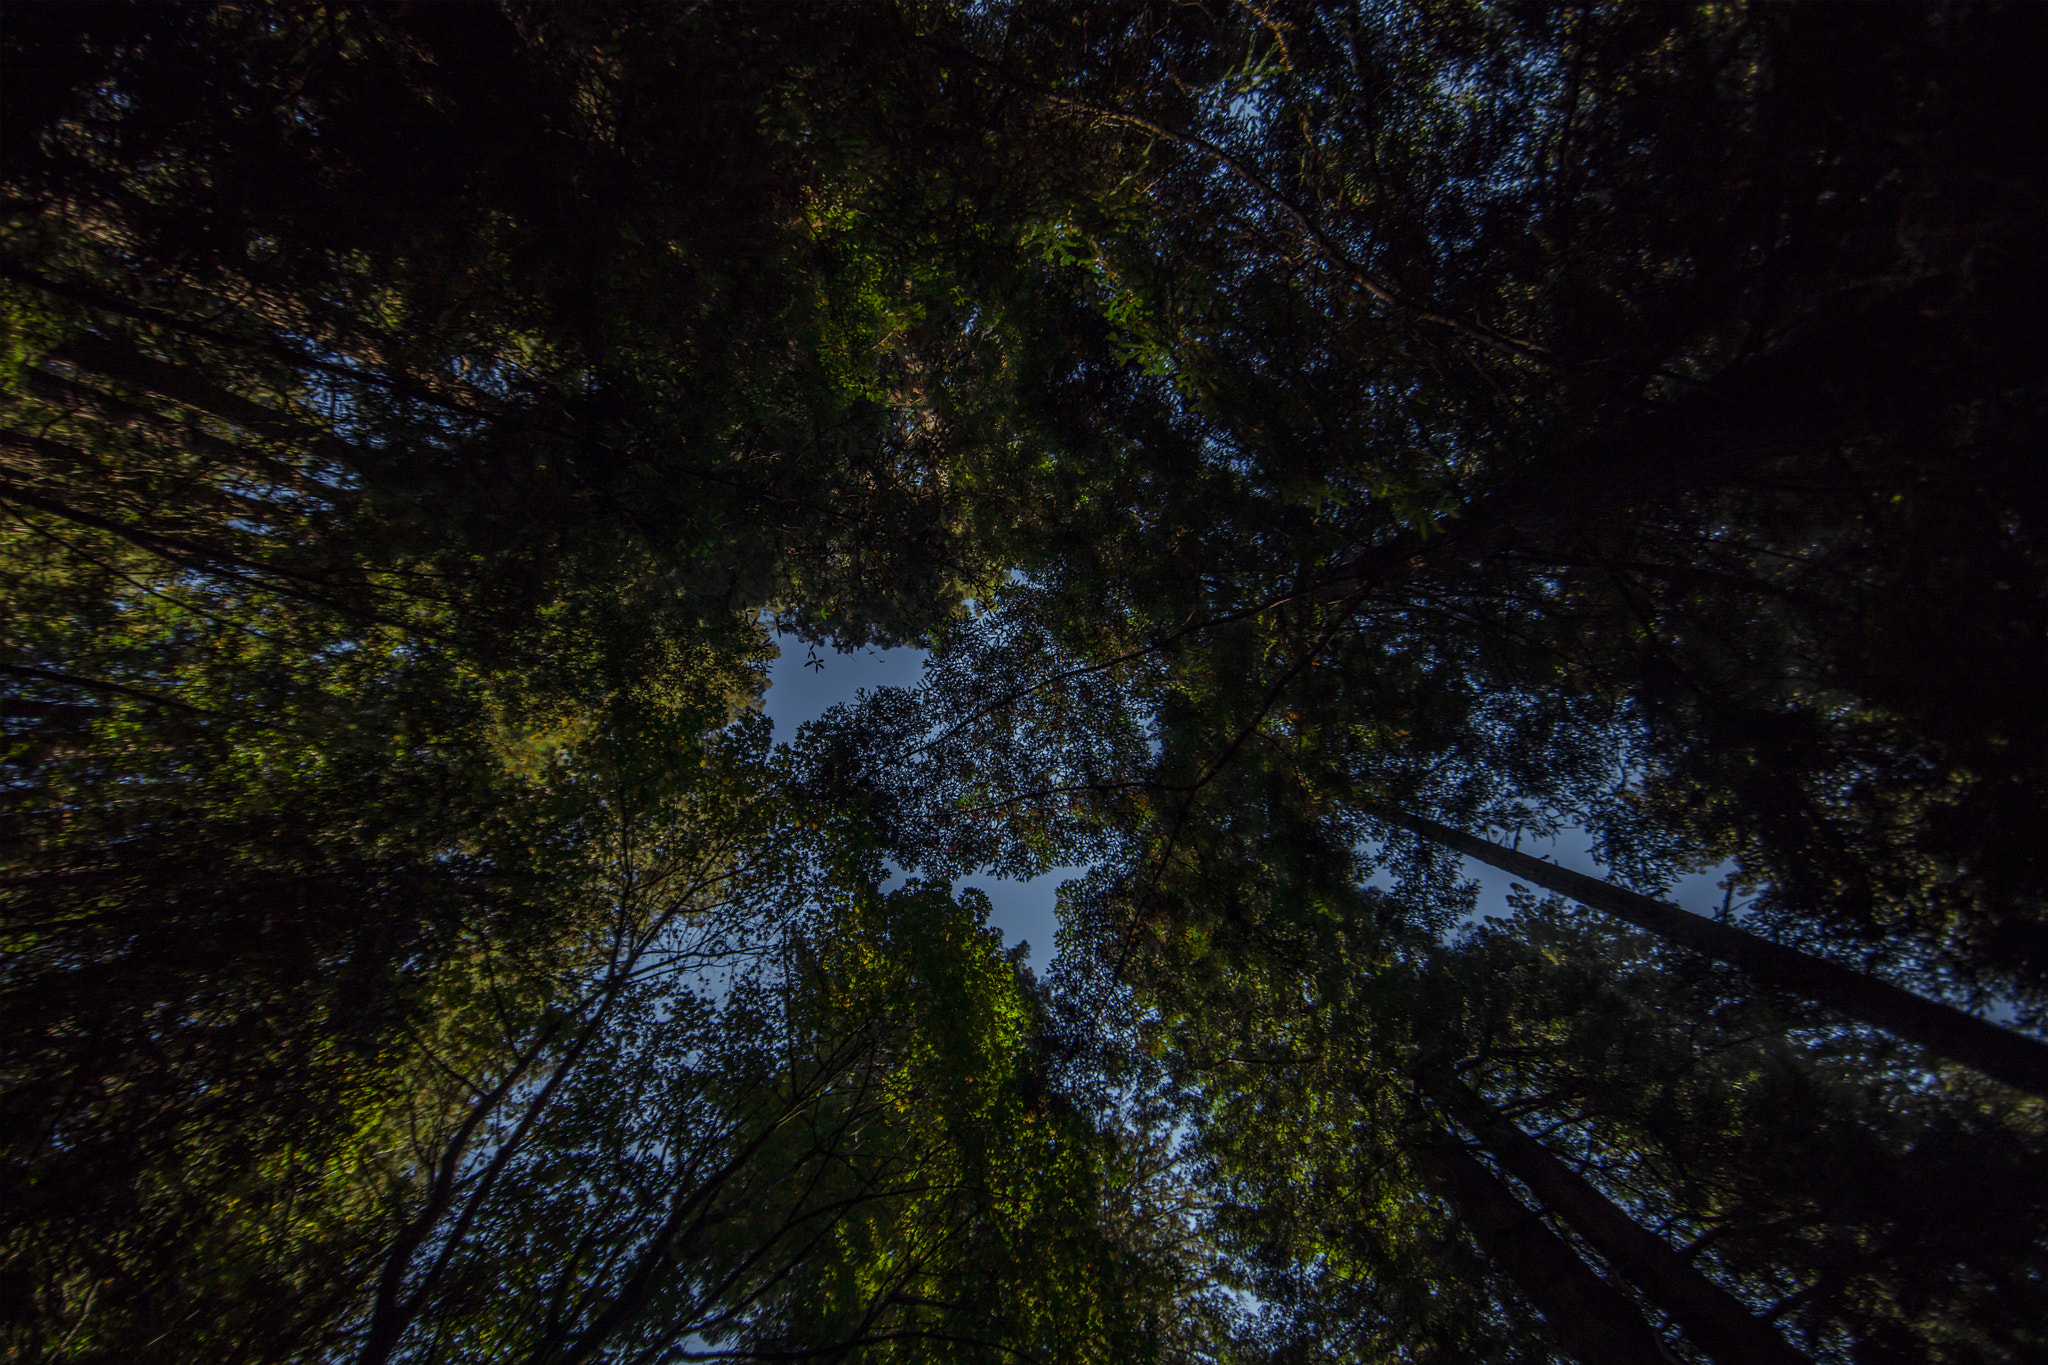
x,y
1024,910
1700,893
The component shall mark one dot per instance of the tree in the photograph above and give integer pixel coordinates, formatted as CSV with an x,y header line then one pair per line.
x,y
1351,428
1722,1325
1443,499
2011,1057
711,1083
1658,404
1694,1158
785,1112
394,399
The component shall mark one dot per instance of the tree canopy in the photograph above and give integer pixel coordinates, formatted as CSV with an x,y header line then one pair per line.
x,y
1314,445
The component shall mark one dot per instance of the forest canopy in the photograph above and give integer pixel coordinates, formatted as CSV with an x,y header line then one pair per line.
x,y
1321,449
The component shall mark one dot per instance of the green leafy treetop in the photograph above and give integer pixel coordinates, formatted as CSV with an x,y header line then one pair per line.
x,y
1367,436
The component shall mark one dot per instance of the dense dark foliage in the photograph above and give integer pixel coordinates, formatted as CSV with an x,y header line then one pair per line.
x,y
1315,443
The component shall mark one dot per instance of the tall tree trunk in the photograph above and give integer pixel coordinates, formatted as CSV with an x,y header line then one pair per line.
x,y
1595,1322
1712,1318
2010,1057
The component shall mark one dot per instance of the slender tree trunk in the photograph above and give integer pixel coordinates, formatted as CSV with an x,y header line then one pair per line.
x,y
2010,1057
1712,1318
1595,1322
185,387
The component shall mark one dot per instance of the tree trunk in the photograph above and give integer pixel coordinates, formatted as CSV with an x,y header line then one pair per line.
x,y
1595,1322
1712,1318
2011,1057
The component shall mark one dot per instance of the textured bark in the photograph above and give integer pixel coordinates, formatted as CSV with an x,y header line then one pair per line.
x,y
1595,1323
2010,1057
1712,1318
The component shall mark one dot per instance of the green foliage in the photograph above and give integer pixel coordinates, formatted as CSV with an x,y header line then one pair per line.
x,y
1286,427
1539,419
410,417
